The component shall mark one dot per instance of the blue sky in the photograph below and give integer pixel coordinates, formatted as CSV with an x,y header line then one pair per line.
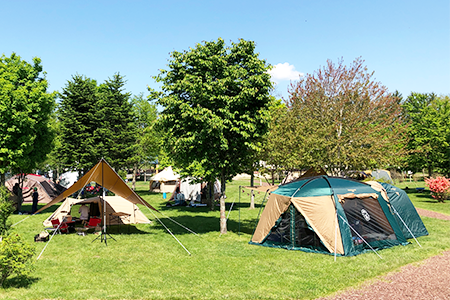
x,y
406,43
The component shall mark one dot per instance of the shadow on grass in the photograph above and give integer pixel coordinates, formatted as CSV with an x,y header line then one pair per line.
x,y
19,282
203,224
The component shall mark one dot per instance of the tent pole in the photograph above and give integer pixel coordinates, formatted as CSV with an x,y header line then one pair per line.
x,y
335,235
239,224
398,215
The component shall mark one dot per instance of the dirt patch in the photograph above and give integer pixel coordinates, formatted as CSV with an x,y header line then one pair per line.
x,y
425,280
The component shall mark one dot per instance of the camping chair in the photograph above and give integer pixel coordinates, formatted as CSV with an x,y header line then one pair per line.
x,y
93,222
64,228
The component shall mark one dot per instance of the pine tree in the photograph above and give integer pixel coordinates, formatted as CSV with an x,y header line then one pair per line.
x,y
78,148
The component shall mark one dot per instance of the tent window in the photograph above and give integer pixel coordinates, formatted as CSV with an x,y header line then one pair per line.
x,y
280,233
367,218
292,230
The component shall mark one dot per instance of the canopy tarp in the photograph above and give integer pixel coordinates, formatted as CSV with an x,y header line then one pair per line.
x,y
114,204
103,174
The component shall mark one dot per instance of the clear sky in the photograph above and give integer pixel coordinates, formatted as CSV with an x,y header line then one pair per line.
x,y
406,43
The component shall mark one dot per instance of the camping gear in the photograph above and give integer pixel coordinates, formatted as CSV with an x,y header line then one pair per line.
x,y
47,189
114,204
328,215
42,237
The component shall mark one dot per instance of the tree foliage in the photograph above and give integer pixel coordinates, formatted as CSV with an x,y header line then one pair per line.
x,y
25,108
116,132
148,139
338,117
15,254
215,101
78,119
95,122
428,132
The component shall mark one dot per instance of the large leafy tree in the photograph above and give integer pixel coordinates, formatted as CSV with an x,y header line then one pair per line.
x,y
215,99
339,118
25,109
77,146
429,118
116,130
147,139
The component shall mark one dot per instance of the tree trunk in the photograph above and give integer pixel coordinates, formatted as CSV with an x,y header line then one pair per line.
x,y
133,185
273,178
223,218
210,195
2,179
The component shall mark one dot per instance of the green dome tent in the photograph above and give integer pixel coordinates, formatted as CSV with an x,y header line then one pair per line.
x,y
328,215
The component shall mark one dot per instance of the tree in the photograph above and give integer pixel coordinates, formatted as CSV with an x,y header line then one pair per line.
x,y
25,109
147,137
215,101
77,114
115,133
341,119
428,132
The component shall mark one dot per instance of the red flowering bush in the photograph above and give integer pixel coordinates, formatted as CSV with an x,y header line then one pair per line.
x,y
439,187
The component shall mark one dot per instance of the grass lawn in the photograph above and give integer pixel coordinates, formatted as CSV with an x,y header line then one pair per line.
x,y
148,263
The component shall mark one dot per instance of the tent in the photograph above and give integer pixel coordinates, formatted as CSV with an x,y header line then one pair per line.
x,y
103,174
328,215
130,213
47,189
381,175
407,216
164,182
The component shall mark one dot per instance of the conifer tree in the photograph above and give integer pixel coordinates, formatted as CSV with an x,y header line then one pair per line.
x,y
78,148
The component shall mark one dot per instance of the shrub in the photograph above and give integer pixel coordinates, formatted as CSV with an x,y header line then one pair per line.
x,y
15,257
6,209
439,187
15,254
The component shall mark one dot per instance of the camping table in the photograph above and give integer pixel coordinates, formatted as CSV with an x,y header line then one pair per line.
x,y
119,216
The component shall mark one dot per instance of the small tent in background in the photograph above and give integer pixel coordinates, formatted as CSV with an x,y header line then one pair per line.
x,y
328,215
68,178
129,212
384,175
47,189
164,182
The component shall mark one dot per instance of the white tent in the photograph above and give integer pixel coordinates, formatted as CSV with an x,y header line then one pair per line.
x,y
164,182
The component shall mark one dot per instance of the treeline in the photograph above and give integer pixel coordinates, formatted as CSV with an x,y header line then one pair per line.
x,y
216,104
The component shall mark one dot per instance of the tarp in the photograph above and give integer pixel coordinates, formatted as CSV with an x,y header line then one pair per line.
x,y
47,189
104,175
129,213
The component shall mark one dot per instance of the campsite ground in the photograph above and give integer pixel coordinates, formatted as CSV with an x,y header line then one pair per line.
x,y
148,263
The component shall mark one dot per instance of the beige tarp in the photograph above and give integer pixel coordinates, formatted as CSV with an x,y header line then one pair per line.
x,y
262,188
103,174
319,212
276,205
118,210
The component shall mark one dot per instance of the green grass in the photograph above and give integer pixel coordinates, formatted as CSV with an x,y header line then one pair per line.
x,y
148,263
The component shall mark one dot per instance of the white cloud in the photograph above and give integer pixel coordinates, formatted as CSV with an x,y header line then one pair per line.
x,y
281,72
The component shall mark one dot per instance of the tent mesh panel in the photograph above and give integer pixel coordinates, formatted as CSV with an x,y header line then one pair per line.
x,y
367,218
291,231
